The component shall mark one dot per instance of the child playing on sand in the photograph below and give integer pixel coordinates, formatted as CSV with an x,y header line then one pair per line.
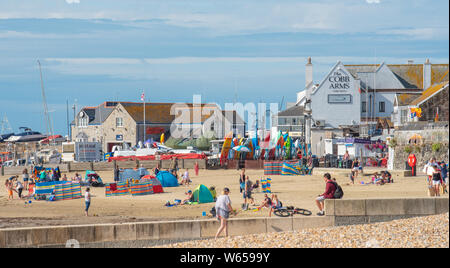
x,y
9,189
186,180
352,177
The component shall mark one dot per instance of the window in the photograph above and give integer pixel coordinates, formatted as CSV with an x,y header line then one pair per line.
x,y
382,107
119,122
83,121
281,121
212,127
364,107
403,116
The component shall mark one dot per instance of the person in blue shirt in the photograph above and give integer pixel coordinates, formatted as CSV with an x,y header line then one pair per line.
x,y
444,176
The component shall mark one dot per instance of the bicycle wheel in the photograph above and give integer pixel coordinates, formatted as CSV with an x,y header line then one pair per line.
x,y
282,213
303,212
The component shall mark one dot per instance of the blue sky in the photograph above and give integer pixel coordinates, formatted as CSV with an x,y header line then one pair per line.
x,y
97,50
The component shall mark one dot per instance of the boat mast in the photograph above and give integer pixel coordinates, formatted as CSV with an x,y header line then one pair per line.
x,y
48,123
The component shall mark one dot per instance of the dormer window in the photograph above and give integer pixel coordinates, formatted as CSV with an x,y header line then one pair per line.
x,y
83,119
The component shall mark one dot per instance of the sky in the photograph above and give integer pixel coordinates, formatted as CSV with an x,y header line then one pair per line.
x,y
92,51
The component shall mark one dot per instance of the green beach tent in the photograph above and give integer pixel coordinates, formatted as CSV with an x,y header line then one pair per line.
x,y
203,195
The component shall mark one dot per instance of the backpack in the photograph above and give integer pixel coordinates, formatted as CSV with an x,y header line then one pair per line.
x,y
339,193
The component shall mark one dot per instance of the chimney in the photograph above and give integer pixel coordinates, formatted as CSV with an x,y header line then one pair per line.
x,y
308,72
426,74
410,61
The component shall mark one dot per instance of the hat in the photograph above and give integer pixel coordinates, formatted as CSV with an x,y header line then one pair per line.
x,y
189,191
226,189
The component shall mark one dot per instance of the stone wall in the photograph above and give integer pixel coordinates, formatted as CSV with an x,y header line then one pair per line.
x,y
422,147
339,212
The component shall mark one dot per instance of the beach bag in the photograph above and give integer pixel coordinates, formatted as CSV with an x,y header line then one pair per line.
x,y
339,193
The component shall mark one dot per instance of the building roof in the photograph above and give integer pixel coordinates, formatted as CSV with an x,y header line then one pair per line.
x,y
98,114
154,112
405,99
293,111
165,113
430,92
409,75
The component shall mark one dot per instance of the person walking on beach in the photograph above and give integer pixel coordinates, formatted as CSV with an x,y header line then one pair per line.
x,y
356,167
429,169
444,176
25,178
328,194
174,165
87,200
248,187
223,209
196,168
242,181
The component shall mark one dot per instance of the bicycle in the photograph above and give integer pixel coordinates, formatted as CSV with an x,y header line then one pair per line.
x,y
291,211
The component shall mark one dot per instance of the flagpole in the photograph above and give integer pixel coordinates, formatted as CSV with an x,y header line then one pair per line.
x,y
143,94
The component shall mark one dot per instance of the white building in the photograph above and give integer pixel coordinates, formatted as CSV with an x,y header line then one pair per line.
x,y
350,98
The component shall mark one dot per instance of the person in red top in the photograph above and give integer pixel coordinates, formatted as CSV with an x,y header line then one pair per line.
x,y
328,194
196,168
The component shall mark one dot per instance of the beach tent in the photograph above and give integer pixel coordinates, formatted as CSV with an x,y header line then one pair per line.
x,y
203,195
132,174
157,187
167,179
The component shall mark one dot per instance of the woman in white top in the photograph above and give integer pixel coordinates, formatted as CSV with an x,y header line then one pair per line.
x,y
87,200
223,209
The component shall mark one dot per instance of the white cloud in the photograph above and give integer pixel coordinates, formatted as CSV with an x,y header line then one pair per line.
x,y
373,1
215,67
72,1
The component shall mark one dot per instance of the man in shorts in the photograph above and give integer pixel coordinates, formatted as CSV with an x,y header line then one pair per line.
x,y
328,194
248,193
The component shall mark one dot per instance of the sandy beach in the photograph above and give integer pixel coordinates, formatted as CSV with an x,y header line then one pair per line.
x,y
298,191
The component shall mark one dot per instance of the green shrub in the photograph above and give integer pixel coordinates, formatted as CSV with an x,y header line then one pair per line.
x,y
408,149
393,143
436,147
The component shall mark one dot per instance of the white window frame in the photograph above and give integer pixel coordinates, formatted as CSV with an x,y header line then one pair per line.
x,y
119,121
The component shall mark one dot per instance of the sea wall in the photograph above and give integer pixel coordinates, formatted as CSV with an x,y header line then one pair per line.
x,y
339,212
108,166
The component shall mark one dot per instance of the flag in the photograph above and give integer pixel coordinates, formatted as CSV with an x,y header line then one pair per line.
x,y
436,118
142,96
